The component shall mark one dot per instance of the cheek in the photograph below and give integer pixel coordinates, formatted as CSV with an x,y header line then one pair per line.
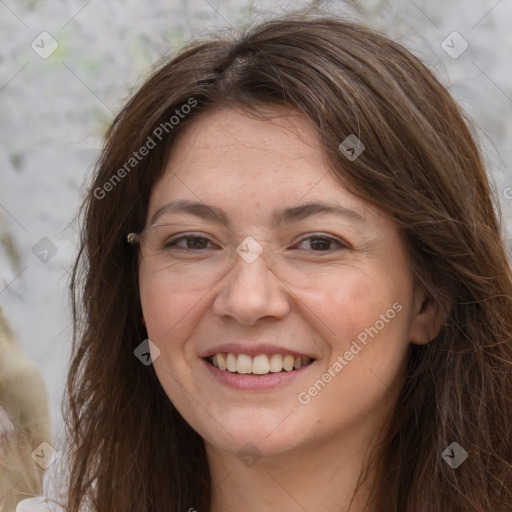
x,y
365,316
364,326
168,312
353,300
170,318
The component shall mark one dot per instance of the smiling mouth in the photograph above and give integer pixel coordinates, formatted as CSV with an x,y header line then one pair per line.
x,y
262,364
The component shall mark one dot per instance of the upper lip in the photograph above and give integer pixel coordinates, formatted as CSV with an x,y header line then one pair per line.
x,y
252,349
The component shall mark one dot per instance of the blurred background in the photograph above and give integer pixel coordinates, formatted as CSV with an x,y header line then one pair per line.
x,y
67,66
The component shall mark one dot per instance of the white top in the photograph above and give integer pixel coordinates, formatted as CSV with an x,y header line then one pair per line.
x,y
38,504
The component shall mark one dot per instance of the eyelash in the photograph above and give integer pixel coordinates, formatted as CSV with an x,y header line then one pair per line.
x,y
172,243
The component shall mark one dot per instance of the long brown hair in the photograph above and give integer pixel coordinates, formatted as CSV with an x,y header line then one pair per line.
x,y
129,448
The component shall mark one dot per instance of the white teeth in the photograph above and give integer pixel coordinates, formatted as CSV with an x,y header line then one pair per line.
x,y
259,365
288,363
276,363
221,361
231,362
244,364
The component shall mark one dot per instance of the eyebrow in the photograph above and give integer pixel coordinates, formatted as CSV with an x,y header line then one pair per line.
x,y
285,215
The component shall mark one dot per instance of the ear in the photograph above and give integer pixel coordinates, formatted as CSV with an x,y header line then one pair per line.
x,y
427,318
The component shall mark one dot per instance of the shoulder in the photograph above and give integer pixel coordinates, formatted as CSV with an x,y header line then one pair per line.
x,y
38,504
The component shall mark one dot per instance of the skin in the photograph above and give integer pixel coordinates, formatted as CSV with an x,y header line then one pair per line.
x,y
294,295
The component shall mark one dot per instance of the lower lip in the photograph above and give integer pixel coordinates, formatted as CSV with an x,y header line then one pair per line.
x,y
247,382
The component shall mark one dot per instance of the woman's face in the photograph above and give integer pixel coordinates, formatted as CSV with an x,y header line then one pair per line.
x,y
299,270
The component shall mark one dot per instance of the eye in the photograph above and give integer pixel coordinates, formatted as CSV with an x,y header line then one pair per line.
x,y
322,243
188,242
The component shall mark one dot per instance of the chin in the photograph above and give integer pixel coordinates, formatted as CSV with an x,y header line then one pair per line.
x,y
266,433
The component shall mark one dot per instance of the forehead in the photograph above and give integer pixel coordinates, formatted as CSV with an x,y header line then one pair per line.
x,y
235,134
251,167
228,148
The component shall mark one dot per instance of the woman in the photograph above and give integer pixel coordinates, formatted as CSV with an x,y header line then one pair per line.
x,y
292,292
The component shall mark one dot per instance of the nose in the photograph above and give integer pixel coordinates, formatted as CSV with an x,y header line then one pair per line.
x,y
251,291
